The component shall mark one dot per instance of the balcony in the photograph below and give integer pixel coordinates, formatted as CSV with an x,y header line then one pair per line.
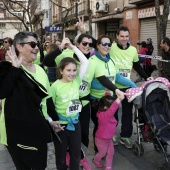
x,y
135,2
82,10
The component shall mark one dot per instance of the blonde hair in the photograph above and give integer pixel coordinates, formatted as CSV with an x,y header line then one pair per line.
x,y
52,47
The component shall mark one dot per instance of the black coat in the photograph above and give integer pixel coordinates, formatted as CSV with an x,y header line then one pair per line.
x,y
27,130
150,49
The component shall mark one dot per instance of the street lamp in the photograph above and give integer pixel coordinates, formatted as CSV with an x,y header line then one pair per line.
x,y
41,17
27,28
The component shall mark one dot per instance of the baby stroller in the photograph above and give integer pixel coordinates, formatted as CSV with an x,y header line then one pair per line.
x,y
152,116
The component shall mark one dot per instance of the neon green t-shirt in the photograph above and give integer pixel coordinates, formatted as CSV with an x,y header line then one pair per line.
x,y
38,57
42,78
124,60
85,84
3,137
66,53
63,94
100,68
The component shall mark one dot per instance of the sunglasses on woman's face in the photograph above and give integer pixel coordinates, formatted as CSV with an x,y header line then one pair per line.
x,y
87,43
32,44
106,44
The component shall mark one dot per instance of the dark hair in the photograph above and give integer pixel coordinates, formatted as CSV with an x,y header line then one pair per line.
x,y
21,37
10,41
166,40
143,44
101,37
122,28
80,38
106,101
63,63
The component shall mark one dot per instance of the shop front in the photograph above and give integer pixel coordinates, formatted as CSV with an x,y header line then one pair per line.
x,y
148,25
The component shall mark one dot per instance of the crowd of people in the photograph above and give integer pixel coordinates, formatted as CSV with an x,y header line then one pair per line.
x,y
50,91
146,48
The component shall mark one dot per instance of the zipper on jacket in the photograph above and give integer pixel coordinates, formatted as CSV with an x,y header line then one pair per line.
x,y
34,81
27,147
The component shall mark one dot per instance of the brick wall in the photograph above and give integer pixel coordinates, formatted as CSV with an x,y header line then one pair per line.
x,y
131,20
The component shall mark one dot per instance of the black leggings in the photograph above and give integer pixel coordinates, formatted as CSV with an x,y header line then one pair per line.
x,y
21,164
94,109
85,122
84,119
71,140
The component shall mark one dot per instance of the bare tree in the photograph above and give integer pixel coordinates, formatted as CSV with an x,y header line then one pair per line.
x,y
67,11
161,24
90,18
161,20
26,8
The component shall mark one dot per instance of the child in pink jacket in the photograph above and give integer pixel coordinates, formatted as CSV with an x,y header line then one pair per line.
x,y
106,130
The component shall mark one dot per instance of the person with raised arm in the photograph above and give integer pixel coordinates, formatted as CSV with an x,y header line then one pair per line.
x,y
26,105
65,92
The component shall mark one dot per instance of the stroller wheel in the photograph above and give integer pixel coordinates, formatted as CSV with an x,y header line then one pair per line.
x,y
157,147
136,149
164,166
142,149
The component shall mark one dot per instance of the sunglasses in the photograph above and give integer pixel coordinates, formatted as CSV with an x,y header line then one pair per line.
x,y
32,44
86,43
5,42
106,44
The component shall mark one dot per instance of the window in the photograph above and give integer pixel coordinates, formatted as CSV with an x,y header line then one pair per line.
x,y
19,14
1,4
46,14
17,25
2,25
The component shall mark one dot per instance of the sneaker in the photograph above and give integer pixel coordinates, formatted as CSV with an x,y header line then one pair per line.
x,y
98,164
126,141
115,140
85,164
68,159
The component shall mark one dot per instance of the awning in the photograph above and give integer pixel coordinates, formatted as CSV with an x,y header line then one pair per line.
x,y
108,17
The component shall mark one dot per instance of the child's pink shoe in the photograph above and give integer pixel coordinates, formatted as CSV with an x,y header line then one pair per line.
x,y
85,164
108,168
98,164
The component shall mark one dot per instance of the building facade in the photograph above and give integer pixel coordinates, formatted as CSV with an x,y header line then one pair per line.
x,y
138,15
40,16
65,15
9,23
106,17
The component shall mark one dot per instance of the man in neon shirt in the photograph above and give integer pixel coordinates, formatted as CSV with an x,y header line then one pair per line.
x,y
125,57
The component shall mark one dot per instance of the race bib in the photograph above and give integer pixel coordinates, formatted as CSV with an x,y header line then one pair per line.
x,y
125,73
74,107
83,86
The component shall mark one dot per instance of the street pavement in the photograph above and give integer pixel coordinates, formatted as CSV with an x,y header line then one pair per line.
x,y
124,159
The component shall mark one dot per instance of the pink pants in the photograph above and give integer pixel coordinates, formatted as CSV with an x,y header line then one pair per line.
x,y
105,148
